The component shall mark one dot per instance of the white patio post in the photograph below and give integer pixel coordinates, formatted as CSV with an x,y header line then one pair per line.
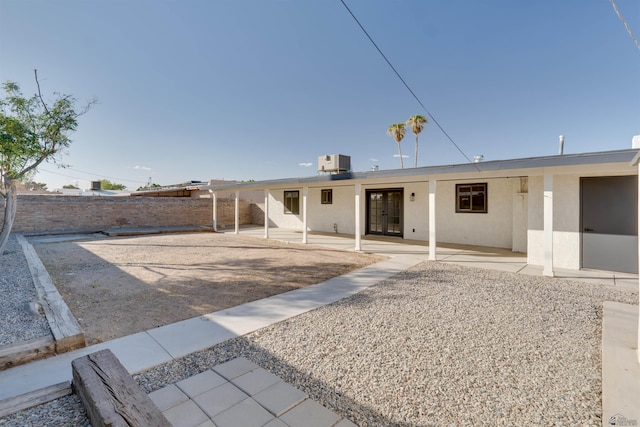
x,y
548,225
237,212
266,213
214,209
638,342
358,189
432,220
305,193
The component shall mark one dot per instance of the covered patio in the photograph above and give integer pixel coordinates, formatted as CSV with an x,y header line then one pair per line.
x,y
467,255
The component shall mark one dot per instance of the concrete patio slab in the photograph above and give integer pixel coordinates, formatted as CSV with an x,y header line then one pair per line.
x,y
151,348
620,367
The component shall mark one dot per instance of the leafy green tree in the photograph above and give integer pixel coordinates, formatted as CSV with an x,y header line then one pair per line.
x,y
397,130
148,187
31,132
30,185
105,184
417,123
70,187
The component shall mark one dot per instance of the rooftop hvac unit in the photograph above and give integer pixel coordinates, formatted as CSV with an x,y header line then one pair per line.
x,y
96,185
334,163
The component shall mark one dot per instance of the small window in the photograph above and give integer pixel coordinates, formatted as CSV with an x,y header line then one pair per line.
x,y
292,202
471,198
326,197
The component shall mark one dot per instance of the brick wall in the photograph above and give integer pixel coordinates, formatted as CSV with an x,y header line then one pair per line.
x,y
66,213
257,213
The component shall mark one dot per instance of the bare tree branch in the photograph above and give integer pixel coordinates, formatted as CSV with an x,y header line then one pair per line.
x,y
44,104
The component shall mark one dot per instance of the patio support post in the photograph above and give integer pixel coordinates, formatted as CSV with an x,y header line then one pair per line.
x,y
548,225
358,189
214,209
237,212
305,193
432,220
266,213
638,342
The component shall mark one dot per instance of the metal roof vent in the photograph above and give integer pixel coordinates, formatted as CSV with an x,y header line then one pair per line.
x,y
478,158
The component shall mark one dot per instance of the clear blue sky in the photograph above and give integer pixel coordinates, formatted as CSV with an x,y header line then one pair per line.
x,y
199,90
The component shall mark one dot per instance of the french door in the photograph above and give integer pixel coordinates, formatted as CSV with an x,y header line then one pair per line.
x,y
384,212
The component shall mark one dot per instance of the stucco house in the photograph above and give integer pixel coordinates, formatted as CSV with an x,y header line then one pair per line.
x,y
572,211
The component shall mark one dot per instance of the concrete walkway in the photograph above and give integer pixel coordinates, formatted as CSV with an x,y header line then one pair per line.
x,y
147,349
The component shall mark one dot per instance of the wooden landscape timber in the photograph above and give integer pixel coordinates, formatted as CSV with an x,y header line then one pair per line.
x,y
110,395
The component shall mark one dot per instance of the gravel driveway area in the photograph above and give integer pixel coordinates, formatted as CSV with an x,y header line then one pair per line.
x,y
20,319
435,345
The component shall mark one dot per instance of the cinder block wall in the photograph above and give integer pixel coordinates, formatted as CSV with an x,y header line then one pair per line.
x,y
38,213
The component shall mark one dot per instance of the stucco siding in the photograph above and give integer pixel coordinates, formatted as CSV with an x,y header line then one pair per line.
x,y
566,221
416,212
340,212
493,228
535,234
277,216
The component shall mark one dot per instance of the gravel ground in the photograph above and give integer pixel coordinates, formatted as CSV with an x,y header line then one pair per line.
x,y
19,319
435,345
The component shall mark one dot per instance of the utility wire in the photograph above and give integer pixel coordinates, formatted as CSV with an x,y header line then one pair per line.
x,y
89,173
633,37
433,119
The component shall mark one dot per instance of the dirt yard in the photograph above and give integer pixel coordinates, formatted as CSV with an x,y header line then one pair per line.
x,y
119,286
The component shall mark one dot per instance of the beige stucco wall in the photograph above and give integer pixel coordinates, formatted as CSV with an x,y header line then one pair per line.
x,y
277,216
341,212
493,228
566,221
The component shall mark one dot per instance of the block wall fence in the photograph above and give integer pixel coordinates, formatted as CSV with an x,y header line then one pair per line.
x,y
52,213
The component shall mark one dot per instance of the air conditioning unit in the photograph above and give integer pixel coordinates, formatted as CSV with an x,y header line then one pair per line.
x,y
334,163
96,185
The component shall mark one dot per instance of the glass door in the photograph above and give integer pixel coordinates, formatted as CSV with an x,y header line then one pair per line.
x,y
384,212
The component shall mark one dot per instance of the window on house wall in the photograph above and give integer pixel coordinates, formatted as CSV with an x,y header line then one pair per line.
x,y
292,202
326,196
471,198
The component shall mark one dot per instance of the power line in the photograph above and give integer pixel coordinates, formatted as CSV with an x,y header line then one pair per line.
x,y
89,173
633,37
433,119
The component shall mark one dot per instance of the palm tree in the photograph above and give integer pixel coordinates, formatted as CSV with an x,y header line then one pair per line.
x,y
416,122
398,130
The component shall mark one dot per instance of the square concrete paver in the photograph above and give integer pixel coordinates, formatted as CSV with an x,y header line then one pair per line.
x,y
218,400
310,414
236,367
186,414
276,422
279,398
345,423
200,383
255,381
168,397
247,413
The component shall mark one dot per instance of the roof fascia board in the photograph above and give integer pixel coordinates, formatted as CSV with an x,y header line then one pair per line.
x,y
559,164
